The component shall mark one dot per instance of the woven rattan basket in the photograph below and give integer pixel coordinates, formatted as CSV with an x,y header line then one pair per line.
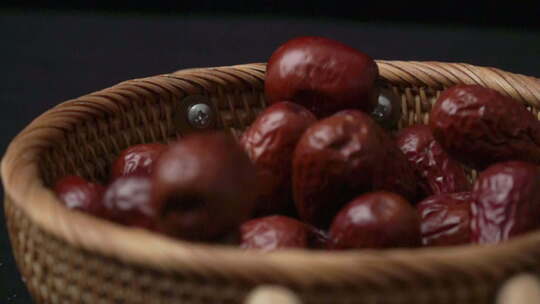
x,y
68,257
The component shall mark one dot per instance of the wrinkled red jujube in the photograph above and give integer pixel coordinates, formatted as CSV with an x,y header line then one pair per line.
x,y
341,157
480,127
137,160
445,219
270,143
506,202
436,171
323,75
127,201
77,193
276,232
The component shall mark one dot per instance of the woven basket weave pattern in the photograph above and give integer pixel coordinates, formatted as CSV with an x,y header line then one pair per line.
x,y
84,135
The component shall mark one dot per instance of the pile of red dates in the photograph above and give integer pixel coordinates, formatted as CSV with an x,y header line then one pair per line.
x,y
321,167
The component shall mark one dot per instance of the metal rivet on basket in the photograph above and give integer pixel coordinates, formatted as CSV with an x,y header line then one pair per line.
x,y
200,116
194,113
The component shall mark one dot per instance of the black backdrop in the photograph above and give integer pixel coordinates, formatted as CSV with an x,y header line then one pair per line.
x,y
523,14
50,53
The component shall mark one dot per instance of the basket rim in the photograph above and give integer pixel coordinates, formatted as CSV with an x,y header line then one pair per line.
x,y
24,188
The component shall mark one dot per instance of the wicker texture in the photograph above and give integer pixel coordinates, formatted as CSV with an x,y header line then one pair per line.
x,y
68,257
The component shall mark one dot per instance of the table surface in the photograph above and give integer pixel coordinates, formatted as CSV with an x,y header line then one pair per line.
x,y
49,58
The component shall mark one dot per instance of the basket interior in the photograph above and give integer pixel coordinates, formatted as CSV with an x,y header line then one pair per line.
x,y
90,145
148,110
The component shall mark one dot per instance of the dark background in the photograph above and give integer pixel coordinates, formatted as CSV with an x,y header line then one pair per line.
x,y
57,50
480,13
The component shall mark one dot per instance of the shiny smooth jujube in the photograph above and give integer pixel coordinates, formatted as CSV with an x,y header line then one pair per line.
x,y
375,220
204,186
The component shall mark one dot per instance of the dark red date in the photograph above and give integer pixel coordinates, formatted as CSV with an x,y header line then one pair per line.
x,y
436,171
343,156
323,75
127,201
270,143
480,127
445,219
204,186
506,202
276,232
77,193
137,160
376,220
